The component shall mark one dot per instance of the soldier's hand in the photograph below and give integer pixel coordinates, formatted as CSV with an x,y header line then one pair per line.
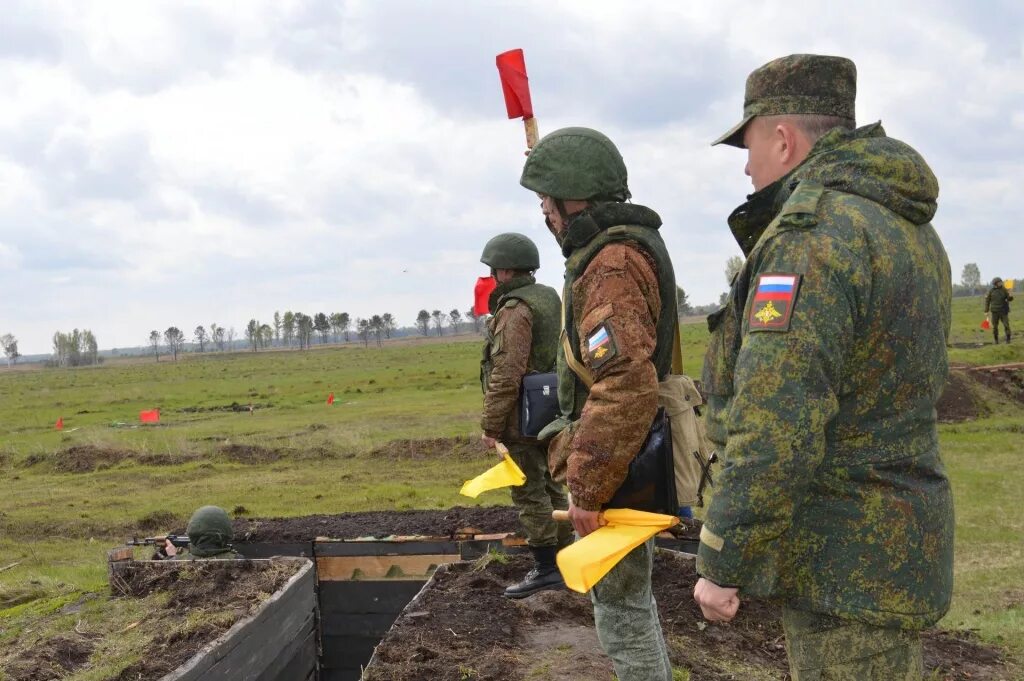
x,y
584,522
170,549
718,603
488,442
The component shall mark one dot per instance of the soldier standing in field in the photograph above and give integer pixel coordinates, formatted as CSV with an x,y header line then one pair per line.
x,y
619,304
997,306
522,337
823,373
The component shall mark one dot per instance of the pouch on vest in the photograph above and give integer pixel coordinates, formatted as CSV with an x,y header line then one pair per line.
x,y
650,482
538,400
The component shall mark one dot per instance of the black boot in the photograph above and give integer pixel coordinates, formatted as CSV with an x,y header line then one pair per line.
x,y
543,576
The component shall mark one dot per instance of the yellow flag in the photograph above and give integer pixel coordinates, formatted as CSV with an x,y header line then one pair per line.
x,y
1008,284
505,474
584,563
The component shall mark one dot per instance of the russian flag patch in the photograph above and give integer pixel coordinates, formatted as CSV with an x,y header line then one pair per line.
x,y
600,346
774,297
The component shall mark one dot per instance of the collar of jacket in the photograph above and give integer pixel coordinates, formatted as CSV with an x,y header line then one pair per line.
x,y
587,224
511,285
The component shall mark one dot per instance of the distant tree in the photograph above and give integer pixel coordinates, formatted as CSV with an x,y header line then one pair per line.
x,y
303,329
723,299
322,326
174,339
389,324
288,327
277,327
10,347
732,267
472,316
423,322
335,319
88,348
438,321
454,319
266,336
231,334
363,329
154,342
971,277
377,327
217,336
345,322
252,334
683,306
200,337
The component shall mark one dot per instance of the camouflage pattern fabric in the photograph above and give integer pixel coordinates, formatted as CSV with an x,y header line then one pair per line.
x,y
823,648
833,496
998,299
626,617
576,163
538,497
1003,317
797,84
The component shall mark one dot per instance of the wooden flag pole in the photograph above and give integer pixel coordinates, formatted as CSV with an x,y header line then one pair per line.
x,y
531,131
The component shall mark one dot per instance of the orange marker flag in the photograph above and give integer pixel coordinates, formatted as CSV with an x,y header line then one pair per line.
x,y
986,324
330,399
151,416
60,423
482,295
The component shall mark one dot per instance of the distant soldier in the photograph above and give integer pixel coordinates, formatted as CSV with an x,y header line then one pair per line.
x,y
522,337
997,306
209,536
822,376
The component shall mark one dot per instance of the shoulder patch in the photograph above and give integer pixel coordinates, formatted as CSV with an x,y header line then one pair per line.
x,y
774,297
601,346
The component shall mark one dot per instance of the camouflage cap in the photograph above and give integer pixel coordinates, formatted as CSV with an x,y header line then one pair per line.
x,y
797,84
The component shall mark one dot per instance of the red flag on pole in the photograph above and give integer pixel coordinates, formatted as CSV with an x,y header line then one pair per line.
x,y
482,294
330,399
151,416
515,84
986,324
60,423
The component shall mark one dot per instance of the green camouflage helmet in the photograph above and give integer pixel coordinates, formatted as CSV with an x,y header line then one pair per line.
x,y
576,164
997,282
209,531
511,251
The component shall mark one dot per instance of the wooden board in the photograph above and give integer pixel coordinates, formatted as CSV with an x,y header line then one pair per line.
x,y
416,567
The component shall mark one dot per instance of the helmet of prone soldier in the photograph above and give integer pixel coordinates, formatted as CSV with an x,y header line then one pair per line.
x,y
209,531
511,251
576,164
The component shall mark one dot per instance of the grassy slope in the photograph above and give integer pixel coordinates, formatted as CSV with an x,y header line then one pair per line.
x,y
58,525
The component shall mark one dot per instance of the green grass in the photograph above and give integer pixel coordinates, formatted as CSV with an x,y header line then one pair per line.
x,y
56,526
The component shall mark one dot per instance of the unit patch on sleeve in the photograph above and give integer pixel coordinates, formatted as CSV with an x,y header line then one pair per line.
x,y
774,299
600,346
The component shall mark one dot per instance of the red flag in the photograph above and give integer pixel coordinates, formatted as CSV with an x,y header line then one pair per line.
x,y
330,399
986,324
482,294
515,84
60,423
151,416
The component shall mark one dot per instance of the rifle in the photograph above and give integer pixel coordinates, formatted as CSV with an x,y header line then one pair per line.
x,y
179,540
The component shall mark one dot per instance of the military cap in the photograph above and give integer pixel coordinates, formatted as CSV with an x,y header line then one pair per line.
x,y
797,84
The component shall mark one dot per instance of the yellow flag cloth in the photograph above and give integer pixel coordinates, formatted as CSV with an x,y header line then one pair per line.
x,y
584,563
1008,284
505,474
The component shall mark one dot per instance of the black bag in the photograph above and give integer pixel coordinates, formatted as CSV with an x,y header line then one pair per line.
x,y
538,401
650,484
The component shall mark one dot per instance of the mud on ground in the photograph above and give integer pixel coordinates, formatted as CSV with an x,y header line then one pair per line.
x,y
463,628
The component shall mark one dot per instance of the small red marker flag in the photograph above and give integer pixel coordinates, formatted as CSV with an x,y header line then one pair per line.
x,y
330,399
515,84
151,416
482,294
986,324
60,423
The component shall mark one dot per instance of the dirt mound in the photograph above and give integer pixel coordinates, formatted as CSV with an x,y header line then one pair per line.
x,y
157,521
958,402
441,523
233,407
89,458
463,628
430,448
1010,382
249,454
62,655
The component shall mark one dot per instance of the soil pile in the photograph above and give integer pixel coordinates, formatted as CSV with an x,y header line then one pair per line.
x,y
958,402
447,523
461,627
1009,382
430,448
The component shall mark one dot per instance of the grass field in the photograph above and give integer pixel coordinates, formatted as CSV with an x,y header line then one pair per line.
x,y
308,457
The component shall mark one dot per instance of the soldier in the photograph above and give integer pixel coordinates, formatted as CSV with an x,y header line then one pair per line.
x,y
522,337
209,536
619,299
823,372
997,306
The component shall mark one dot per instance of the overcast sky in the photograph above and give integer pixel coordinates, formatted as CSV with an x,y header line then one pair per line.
x,y
186,163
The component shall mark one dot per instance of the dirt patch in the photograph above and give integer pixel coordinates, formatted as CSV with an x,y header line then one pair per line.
x,y
1009,382
157,521
958,402
462,446
440,523
463,628
233,407
249,454
88,458
61,656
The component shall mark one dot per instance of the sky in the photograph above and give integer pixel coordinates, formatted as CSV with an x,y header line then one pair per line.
x,y
184,163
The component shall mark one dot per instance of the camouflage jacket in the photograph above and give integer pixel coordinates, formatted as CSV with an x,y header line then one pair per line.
x,y
823,372
522,336
998,300
616,306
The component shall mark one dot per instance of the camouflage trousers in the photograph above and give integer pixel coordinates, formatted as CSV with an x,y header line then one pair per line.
x,y
538,496
824,648
626,617
1003,317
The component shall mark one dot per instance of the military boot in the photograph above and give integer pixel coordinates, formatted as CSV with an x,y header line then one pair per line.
x,y
543,576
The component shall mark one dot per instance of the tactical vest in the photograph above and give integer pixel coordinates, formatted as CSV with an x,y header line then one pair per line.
x,y
545,309
572,392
